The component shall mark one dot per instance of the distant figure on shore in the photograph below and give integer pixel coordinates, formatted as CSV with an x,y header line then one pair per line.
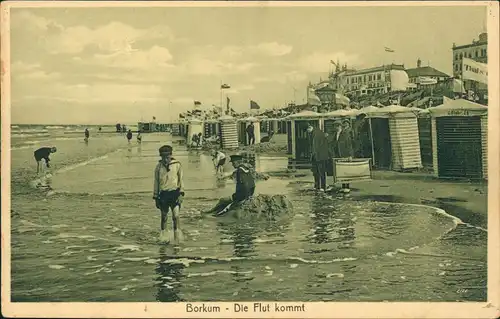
x,y
124,128
43,153
168,190
219,159
194,140
199,140
100,129
343,145
129,135
87,135
320,154
267,138
251,134
139,137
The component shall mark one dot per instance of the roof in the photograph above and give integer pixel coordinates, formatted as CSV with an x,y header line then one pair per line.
x,y
425,71
378,68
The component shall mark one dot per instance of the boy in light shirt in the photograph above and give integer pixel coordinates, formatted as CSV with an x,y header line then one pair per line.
x,y
219,159
168,190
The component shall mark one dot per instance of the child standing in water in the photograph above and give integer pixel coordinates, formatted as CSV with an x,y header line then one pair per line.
x,y
129,135
168,190
219,159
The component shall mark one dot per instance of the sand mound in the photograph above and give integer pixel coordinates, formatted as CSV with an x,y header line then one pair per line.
x,y
265,148
260,207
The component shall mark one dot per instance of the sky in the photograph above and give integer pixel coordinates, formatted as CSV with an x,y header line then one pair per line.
x,y
120,65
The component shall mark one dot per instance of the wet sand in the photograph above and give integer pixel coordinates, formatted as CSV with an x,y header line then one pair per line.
x,y
94,238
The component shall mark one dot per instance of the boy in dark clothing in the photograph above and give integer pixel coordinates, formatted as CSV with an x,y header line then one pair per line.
x,y
245,184
251,134
129,135
343,145
87,135
43,153
168,190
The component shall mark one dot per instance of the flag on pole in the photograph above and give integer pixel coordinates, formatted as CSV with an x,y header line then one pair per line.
x,y
225,86
254,105
388,49
228,100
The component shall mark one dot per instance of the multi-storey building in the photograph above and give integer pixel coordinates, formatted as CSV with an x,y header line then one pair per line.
x,y
376,80
416,75
477,51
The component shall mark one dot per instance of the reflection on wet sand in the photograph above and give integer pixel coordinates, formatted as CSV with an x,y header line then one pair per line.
x,y
169,278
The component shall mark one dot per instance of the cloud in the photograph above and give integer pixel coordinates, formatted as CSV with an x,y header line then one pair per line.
x,y
23,70
240,88
320,61
97,93
155,57
112,37
273,49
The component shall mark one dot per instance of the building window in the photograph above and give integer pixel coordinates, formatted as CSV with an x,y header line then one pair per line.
x,y
379,77
477,53
461,56
456,67
470,55
456,57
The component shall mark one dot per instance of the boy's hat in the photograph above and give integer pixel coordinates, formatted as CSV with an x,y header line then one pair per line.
x,y
166,149
337,122
235,157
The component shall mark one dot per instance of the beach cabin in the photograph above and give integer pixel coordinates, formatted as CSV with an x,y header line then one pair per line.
x,y
264,124
425,137
282,126
299,140
195,127
242,132
273,125
395,138
459,139
365,145
229,132
211,128
175,129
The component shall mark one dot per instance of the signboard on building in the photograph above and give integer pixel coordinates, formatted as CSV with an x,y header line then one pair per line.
x,y
475,71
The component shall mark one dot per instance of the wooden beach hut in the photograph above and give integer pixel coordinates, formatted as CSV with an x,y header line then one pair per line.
x,y
459,139
175,129
299,140
229,132
195,127
242,130
211,127
395,138
425,137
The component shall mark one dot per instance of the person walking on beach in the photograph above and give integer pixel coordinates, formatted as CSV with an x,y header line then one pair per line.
x,y
43,153
129,135
319,157
168,190
343,145
251,134
219,159
87,135
199,140
139,137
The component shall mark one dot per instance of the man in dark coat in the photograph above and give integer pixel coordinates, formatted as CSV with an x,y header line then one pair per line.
x,y
320,155
251,134
343,144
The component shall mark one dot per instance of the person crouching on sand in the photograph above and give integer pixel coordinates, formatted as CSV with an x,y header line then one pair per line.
x,y
43,153
168,190
219,159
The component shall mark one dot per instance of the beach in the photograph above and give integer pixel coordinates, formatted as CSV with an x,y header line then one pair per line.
x,y
93,235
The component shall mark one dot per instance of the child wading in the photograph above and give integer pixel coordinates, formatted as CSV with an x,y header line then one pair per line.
x,y
43,153
219,159
168,190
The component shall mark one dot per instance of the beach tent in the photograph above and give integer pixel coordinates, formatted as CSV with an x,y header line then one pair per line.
x,y
459,139
299,144
211,127
243,127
